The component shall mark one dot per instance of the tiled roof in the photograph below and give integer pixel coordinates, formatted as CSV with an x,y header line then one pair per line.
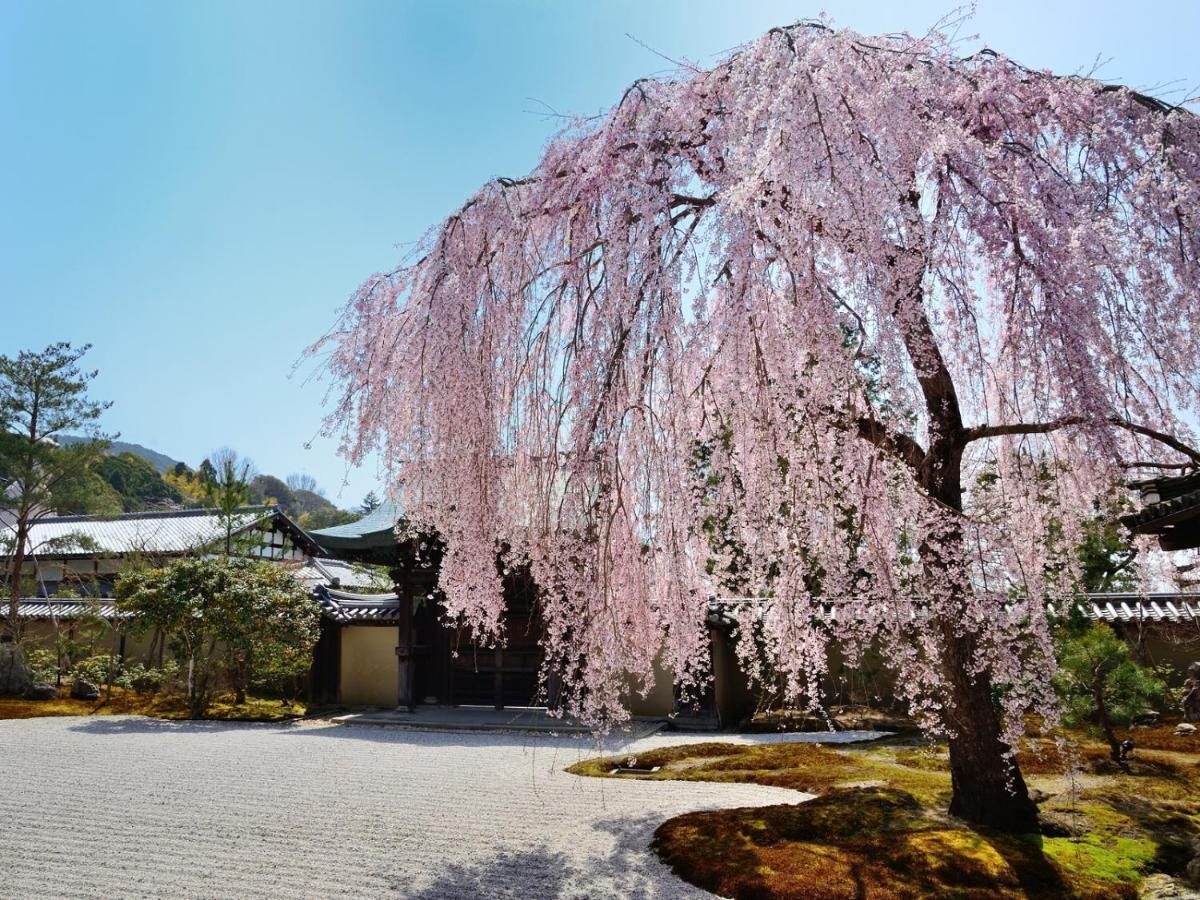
x,y
171,532
341,606
1168,485
73,608
347,608
376,527
1165,512
1165,607
1142,607
1173,498
338,573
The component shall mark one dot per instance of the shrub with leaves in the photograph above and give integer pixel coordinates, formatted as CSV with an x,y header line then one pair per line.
x,y
147,679
43,665
99,669
224,619
1100,683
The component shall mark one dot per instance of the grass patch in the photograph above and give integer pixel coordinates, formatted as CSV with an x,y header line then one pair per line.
x,y
879,828
160,706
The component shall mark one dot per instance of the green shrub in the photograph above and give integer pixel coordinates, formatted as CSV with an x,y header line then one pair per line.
x,y
226,621
97,669
147,679
43,665
1099,682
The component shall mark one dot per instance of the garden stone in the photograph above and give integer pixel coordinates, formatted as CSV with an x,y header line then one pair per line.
x,y
15,679
1185,728
84,690
42,692
1191,694
1193,871
1164,887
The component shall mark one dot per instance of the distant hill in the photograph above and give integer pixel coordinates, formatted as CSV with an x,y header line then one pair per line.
x,y
160,461
139,484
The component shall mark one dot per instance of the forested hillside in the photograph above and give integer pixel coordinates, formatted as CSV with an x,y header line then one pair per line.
x,y
134,478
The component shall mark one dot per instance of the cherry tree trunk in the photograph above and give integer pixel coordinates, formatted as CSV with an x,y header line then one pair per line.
x,y
988,789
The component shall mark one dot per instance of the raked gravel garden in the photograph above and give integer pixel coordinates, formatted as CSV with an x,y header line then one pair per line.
x,y
134,807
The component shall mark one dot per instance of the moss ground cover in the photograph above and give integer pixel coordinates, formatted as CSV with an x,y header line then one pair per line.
x,y
162,706
878,827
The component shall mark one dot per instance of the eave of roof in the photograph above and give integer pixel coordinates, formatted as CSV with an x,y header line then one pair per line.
x,y
348,608
68,609
376,529
1168,485
1154,517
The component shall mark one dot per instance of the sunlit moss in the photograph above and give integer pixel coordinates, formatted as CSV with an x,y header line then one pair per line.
x,y
873,842
880,826
170,706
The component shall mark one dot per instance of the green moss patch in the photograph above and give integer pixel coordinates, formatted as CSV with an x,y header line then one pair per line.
x,y
864,842
801,766
879,828
161,706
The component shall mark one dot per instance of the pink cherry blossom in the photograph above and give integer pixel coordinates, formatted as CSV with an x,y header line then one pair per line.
x,y
842,324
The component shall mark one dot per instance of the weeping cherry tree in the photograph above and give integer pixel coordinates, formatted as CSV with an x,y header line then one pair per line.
x,y
871,325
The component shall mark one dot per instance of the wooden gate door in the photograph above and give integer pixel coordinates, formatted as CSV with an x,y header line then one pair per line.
x,y
501,676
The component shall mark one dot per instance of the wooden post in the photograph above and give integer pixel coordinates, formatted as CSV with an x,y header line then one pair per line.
x,y
498,683
404,651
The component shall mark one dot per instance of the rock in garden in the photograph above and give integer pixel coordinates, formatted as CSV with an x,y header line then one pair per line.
x,y
1164,887
1185,728
15,679
84,690
1193,871
42,692
1191,694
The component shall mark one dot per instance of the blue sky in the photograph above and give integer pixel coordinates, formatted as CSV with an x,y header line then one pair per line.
x,y
195,188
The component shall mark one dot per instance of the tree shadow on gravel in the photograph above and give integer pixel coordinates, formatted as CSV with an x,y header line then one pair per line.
x,y
633,863
539,872
108,725
630,871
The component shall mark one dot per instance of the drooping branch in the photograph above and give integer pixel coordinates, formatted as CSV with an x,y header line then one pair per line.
x,y
1169,440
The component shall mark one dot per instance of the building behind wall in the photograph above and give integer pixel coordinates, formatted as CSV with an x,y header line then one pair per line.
x,y
384,642
73,563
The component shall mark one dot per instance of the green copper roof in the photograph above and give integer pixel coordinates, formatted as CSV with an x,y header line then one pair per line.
x,y
376,529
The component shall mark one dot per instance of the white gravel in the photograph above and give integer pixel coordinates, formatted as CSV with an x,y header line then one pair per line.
x,y
131,807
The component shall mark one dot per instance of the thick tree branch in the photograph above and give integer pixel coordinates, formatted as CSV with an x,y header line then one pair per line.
x,y
981,432
896,443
